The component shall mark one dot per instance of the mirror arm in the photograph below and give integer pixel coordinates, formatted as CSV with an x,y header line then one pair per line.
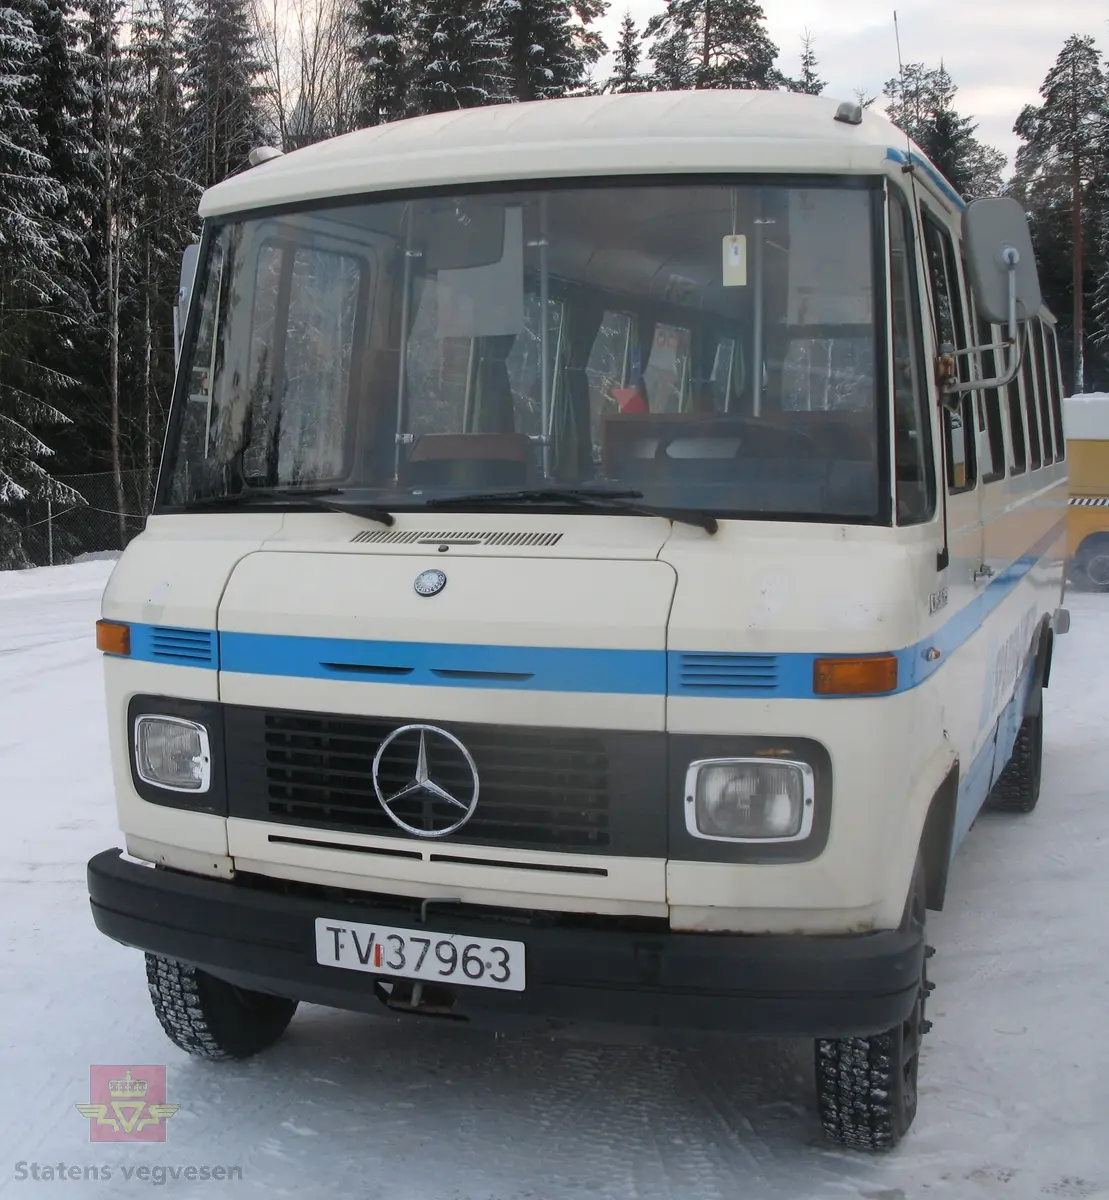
x,y
1012,344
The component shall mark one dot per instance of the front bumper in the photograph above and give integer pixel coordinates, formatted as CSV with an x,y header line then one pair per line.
x,y
781,986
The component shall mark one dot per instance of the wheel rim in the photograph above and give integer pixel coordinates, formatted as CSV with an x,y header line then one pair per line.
x,y
1097,570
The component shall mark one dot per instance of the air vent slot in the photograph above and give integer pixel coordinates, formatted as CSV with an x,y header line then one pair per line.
x,y
410,537
712,674
186,647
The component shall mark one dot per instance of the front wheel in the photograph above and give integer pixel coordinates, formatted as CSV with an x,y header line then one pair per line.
x,y
867,1086
209,1018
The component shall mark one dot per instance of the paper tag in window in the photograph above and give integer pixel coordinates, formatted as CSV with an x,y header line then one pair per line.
x,y
735,260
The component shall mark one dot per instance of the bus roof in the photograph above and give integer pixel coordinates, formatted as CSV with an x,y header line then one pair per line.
x,y
645,134
1086,417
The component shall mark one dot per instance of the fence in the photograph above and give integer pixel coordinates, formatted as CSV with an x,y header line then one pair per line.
x,y
50,534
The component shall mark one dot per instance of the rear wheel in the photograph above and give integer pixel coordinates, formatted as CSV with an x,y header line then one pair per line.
x,y
209,1018
867,1086
1018,786
1092,560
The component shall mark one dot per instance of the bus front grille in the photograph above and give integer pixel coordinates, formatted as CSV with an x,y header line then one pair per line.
x,y
539,789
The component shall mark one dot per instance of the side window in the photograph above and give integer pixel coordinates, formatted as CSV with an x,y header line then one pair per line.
x,y
1016,431
914,475
301,352
829,374
668,366
1041,388
607,372
1028,391
319,352
1055,385
951,329
990,402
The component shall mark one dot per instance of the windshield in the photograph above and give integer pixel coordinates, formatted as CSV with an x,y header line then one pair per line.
x,y
703,346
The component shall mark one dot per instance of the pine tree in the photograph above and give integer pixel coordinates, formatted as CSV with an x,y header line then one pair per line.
x,y
223,121
112,132
1062,152
383,38
59,97
675,65
163,206
625,73
29,200
809,82
456,57
29,197
921,102
548,45
726,40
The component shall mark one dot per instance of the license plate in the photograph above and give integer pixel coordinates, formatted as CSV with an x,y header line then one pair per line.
x,y
420,954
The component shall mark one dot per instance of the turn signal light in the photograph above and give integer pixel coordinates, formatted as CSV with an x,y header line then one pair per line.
x,y
855,676
113,638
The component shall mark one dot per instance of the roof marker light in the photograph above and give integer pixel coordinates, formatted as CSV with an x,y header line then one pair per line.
x,y
849,113
263,154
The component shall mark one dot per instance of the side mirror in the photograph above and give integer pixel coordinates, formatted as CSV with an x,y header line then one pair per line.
x,y
1005,285
1001,265
184,295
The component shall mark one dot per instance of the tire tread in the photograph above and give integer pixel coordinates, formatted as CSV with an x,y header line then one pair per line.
x,y
206,1018
1017,789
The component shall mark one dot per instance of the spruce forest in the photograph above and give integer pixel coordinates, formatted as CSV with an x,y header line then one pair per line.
x,y
114,118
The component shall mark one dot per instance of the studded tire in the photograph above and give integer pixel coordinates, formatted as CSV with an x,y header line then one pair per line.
x,y
1017,789
867,1086
209,1018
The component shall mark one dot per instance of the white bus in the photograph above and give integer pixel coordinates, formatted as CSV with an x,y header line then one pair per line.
x,y
606,553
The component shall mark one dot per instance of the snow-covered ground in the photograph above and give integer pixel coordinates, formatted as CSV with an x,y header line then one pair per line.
x,y
1015,1077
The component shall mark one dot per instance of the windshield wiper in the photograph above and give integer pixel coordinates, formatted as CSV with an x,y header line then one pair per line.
x,y
610,501
306,497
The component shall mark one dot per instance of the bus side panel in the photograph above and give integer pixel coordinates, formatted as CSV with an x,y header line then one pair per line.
x,y
974,787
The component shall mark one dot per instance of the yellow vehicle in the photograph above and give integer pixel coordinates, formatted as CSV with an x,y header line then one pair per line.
x,y
1086,422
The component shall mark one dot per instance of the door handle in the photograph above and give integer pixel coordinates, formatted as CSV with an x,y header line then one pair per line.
x,y
983,572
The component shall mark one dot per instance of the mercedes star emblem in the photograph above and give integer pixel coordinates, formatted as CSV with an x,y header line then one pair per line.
x,y
423,787
430,583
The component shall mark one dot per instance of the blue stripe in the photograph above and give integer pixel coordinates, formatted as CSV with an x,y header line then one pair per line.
x,y
555,669
922,164
443,664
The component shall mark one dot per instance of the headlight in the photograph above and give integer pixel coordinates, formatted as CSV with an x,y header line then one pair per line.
x,y
173,753
749,799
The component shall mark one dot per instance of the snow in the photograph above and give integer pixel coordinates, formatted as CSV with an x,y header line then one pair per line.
x,y
1015,1077
1086,415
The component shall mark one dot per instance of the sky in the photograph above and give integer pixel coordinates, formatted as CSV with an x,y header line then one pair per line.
x,y
997,51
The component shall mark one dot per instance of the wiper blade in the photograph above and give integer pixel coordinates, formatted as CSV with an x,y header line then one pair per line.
x,y
307,497
611,500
